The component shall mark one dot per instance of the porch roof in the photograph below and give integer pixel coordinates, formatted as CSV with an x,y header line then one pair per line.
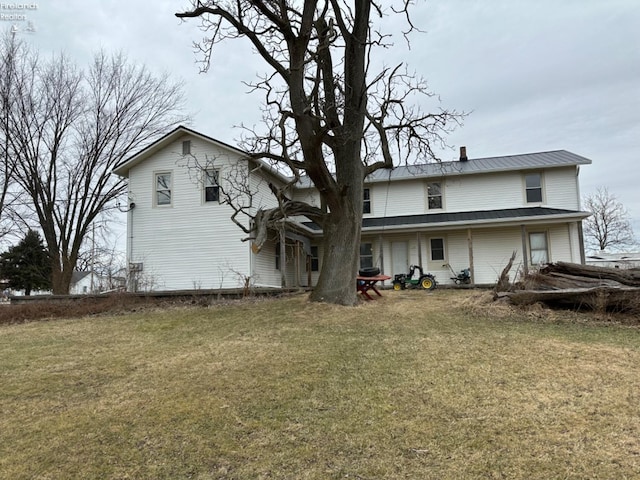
x,y
461,219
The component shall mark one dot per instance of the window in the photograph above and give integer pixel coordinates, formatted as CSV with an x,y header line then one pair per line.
x,y
437,249
163,188
434,196
366,204
278,256
315,260
186,147
211,188
366,255
538,247
533,187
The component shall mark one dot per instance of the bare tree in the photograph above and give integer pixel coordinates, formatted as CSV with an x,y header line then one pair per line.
x,y
69,128
327,113
9,194
609,225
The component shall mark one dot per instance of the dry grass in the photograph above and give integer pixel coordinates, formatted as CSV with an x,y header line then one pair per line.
x,y
442,385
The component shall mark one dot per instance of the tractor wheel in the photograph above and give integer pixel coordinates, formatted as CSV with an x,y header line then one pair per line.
x,y
397,286
427,283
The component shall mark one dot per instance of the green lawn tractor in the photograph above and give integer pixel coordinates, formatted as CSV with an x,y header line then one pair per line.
x,y
426,281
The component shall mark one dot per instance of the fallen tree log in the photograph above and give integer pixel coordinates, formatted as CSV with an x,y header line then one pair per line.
x,y
556,281
630,277
602,298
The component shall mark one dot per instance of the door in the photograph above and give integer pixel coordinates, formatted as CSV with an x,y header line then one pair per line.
x,y
399,257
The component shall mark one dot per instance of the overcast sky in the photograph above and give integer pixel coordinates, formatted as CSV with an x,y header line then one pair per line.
x,y
535,75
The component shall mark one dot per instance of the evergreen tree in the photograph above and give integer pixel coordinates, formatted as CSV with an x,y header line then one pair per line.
x,y
27,265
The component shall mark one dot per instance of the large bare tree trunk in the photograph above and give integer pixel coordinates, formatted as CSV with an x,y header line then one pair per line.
x,y
337,282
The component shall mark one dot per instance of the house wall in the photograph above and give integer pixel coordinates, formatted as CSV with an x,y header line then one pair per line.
x,y
462,193
188,244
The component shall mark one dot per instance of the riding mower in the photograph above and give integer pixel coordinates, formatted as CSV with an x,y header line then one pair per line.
x,y
425,281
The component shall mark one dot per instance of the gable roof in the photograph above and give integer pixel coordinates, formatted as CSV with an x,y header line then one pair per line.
x,y
122,169
526,161
76,276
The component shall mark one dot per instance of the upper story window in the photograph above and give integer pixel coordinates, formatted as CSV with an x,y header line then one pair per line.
x,y
186,147
366,203
211,187
163,188
434,195
533,187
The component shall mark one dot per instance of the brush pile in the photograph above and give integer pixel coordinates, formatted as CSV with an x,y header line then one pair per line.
x,y
570,285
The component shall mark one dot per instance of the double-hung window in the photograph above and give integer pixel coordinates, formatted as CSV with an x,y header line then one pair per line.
x,y
211,187
533,187
538,248
434,195
366,255
437,249
366,201
315,259
163,188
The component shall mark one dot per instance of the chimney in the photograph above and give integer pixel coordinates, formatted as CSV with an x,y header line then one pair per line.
x,y
463,154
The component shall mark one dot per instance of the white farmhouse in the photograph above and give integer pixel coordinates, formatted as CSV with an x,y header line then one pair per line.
x,y
471,213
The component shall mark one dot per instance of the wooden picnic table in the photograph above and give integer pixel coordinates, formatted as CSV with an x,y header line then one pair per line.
x,y
367,284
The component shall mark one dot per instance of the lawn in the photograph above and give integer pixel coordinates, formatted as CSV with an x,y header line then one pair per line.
x,y
414,385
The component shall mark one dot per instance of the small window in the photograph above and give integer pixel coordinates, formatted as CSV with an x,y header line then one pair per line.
x,y
186,147
434,195
315,260
533,186
163,188
278,256
211,188
366,203
539,250
366,255
437,249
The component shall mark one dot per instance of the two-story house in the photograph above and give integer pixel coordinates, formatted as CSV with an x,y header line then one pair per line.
x,y
470,213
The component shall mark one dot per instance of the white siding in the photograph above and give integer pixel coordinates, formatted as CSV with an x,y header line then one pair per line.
x,y
561,188
189,244
492,249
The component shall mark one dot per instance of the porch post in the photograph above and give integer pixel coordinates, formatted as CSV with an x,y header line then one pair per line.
x,y
581,240
419,239
381,254
525,255
470,245
297,263
283,258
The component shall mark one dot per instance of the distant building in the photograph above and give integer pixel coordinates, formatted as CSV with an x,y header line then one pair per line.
x,y
614,260
85,283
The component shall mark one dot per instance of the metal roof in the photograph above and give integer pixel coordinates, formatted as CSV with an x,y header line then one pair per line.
x,y
463,217
525,161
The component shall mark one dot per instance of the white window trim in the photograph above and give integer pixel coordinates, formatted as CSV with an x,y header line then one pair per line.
x,y
547,245
542,189
155,188
437,263
360,256
204,186
370,212
426,188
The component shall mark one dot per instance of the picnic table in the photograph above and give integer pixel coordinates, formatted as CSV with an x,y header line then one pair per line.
x,y
367,284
